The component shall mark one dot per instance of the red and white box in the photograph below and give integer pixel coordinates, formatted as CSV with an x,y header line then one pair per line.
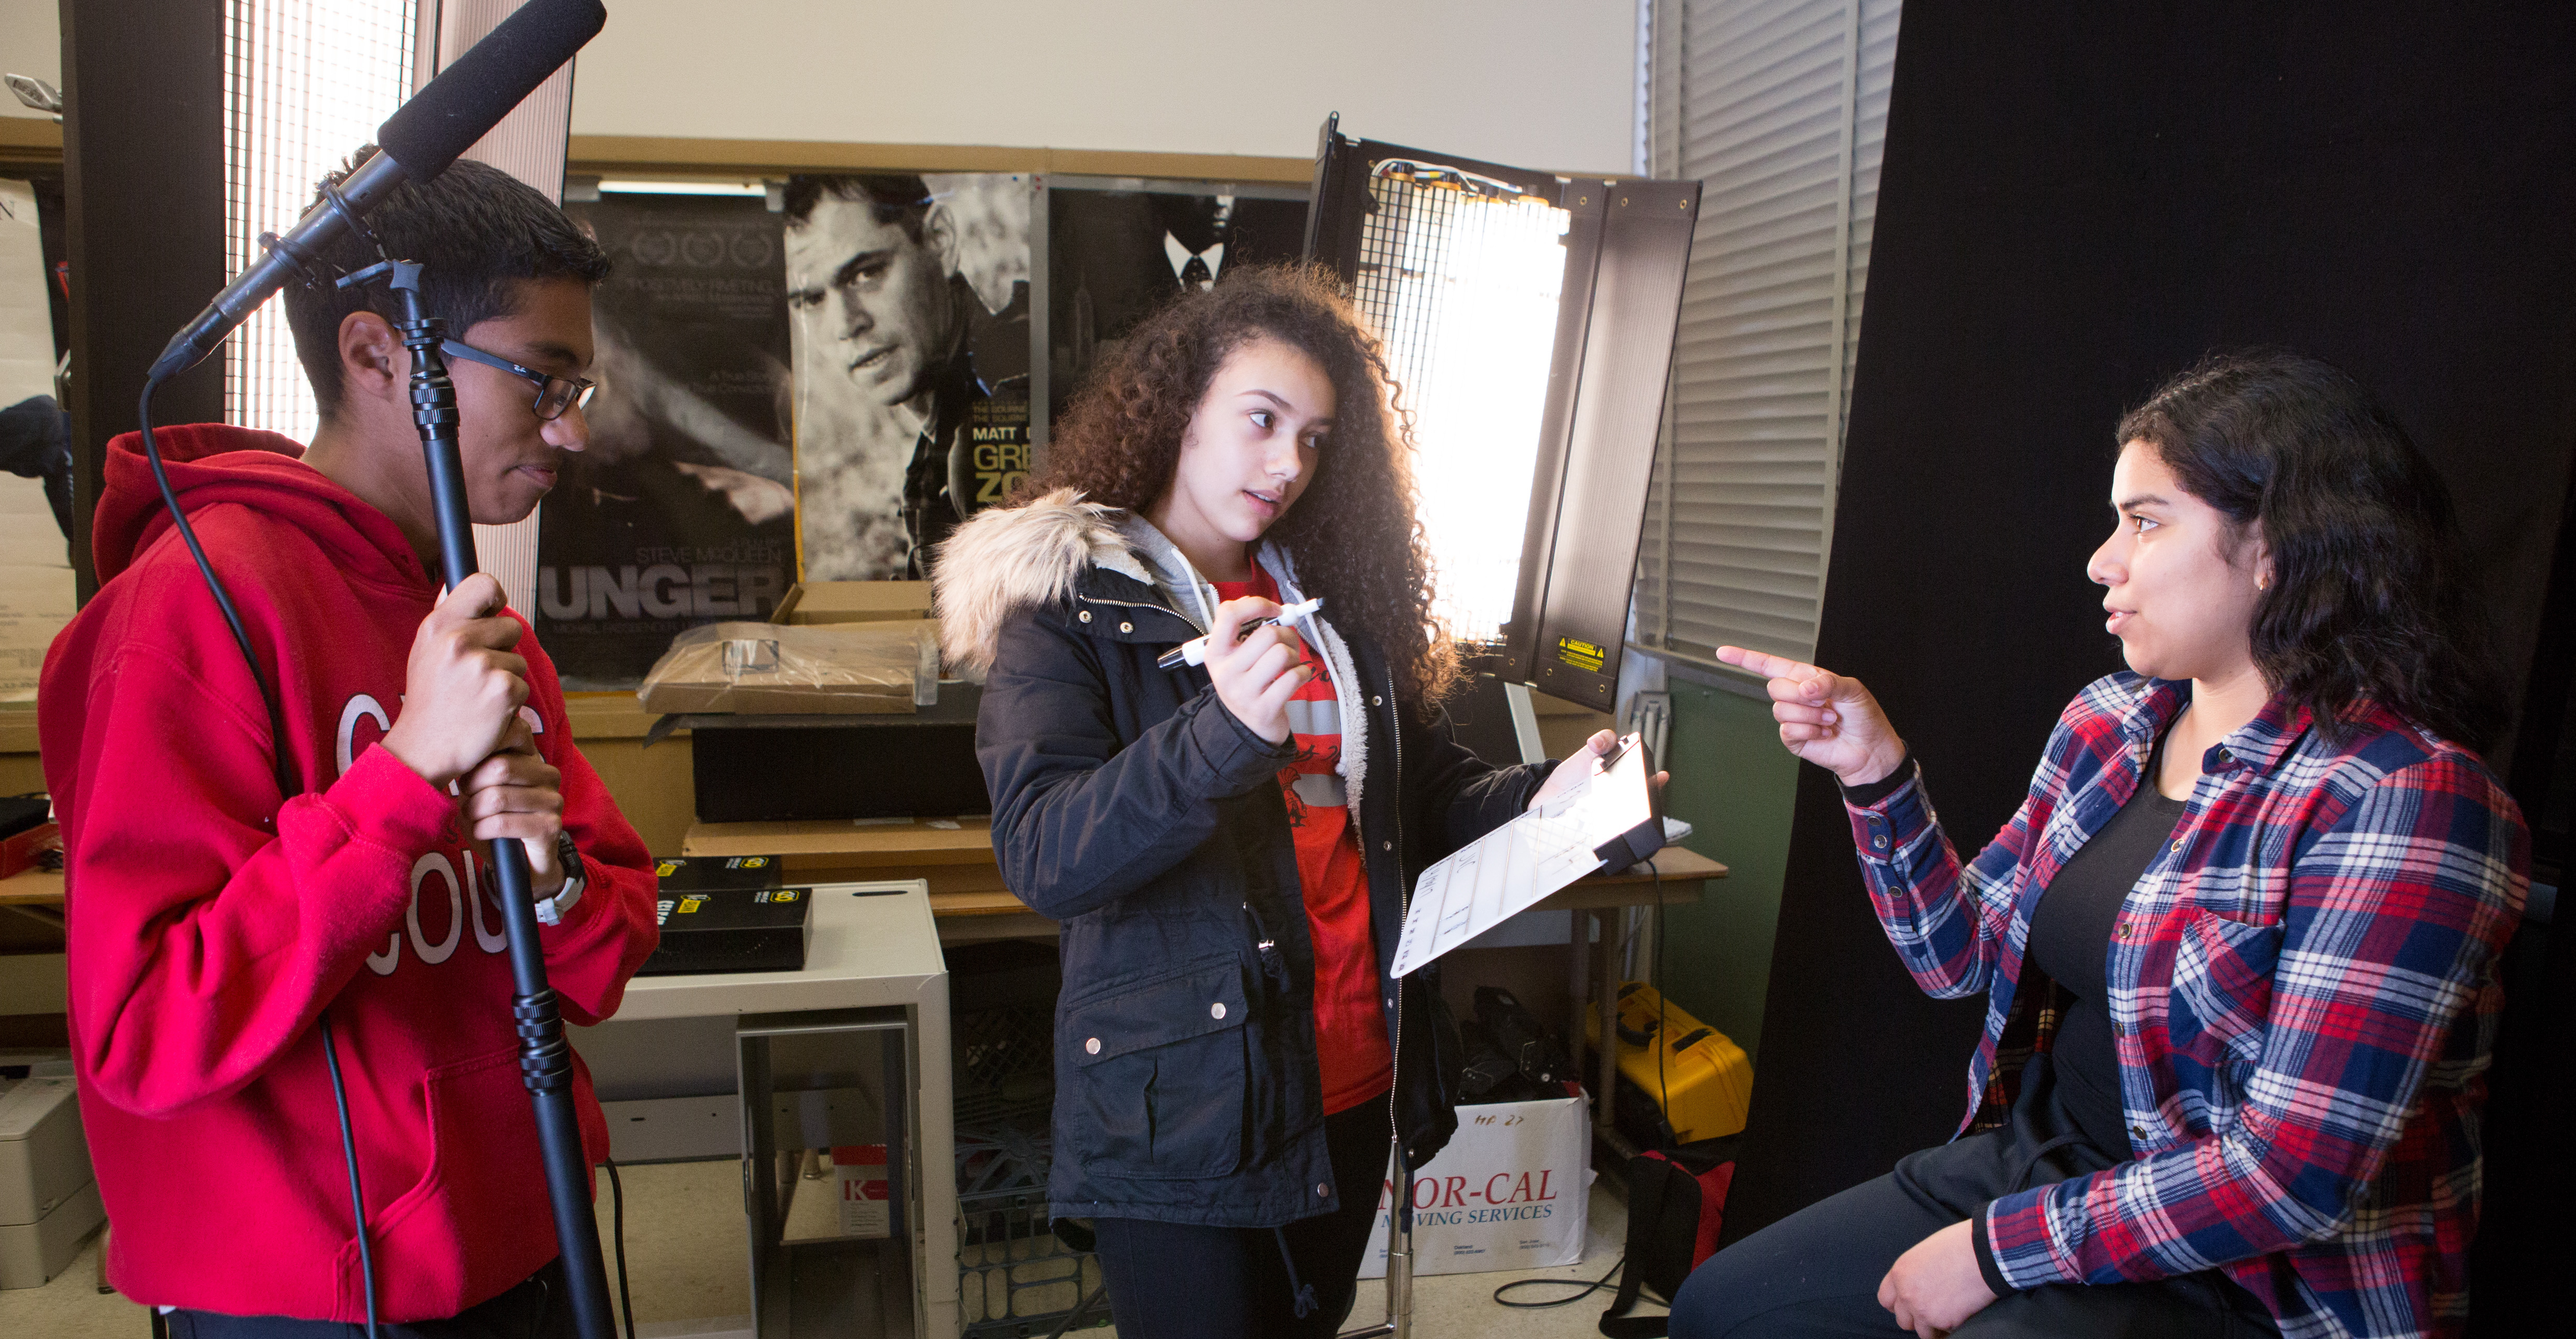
x,y
860,1170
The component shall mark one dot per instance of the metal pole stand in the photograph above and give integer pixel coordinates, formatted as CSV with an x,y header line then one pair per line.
x,y
545,1058
1399,1259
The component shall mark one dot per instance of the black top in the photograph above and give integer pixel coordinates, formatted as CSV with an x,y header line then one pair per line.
x,y
1132,807
2070,936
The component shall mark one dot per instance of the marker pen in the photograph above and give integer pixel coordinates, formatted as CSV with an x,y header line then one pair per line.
x,y
1194,651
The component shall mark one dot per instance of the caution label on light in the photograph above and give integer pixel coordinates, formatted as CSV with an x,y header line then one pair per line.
x,y
1582,655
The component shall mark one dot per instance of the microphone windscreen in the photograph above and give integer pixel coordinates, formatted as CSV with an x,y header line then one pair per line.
x,y
472,94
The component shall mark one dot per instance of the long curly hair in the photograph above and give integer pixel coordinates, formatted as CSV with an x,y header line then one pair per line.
x,y
1353,533
2373,597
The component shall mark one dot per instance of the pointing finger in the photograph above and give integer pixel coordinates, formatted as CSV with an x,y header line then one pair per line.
x,y
1762,663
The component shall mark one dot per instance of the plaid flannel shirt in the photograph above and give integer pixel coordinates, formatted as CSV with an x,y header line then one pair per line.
x,y
2303,989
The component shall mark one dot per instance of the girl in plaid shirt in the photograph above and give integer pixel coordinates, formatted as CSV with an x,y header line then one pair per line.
x,y
2239,944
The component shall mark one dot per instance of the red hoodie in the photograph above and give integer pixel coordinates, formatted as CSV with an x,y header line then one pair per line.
x,y
209,927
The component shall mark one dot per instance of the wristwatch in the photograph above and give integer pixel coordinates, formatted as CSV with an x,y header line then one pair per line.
x,y
551,910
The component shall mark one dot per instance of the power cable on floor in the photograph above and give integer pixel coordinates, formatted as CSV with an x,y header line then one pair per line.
x,y
1594,1286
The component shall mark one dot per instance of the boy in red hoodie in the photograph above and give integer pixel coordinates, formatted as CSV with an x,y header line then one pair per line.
x,y
213,921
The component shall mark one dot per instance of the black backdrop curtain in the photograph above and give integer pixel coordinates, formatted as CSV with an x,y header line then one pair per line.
x,y
2076,202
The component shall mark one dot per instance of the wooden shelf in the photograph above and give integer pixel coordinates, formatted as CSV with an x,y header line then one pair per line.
x,y
597,716
850,844
965,881
32,888
668,156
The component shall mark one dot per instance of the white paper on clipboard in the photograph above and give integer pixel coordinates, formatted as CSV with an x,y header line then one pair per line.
x,y
1513,867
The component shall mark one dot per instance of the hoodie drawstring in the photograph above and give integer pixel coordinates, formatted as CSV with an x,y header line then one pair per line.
x,y
1304,1293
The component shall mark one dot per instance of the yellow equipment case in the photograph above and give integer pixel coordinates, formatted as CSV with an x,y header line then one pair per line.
x,y
1705,1079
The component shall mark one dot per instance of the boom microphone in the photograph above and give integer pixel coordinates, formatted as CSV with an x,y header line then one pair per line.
x,y
416,143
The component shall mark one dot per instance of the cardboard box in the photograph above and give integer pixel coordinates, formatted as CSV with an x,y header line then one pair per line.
x,y
883,667
812,602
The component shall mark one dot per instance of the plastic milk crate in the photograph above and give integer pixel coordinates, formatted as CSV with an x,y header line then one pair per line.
x,y
1015,1277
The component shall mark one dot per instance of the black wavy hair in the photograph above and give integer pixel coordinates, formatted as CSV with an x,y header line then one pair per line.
x,y
477,232
899,198
2371,598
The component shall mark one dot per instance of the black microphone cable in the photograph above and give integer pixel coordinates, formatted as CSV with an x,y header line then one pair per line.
x,y
286,789
349,1151
625,1299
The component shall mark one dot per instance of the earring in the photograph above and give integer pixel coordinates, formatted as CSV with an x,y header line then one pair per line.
x,y
2262,583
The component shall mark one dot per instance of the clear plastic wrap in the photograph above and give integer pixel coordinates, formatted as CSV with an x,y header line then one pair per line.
x,y
773,668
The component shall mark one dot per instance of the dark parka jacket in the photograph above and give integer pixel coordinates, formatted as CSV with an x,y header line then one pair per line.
x,y
1130,805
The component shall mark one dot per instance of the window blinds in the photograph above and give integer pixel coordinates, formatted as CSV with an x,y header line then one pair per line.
x,y
1780,108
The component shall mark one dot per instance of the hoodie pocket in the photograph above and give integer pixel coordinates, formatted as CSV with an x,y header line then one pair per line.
x,y
1159,1075
477,1221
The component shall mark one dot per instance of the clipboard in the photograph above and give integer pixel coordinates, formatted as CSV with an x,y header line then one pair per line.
x,y
1610,821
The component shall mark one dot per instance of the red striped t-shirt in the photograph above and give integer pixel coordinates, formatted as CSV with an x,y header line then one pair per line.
x,y
1350,1024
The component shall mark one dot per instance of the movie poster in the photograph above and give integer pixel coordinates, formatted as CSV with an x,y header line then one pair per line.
x,y
682,510
1112,256
908,298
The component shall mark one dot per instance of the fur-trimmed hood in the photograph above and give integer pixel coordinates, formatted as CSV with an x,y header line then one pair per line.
x,y
1003,561
1006,560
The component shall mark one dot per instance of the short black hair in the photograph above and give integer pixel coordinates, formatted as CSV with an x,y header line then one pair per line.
x,y
898,198
2373,597
475,229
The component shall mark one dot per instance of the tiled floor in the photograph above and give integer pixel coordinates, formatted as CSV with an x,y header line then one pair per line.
x,y
685,1248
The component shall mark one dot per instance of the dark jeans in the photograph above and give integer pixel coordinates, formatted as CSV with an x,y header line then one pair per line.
x,y
537,1308
1182,1280
1816,1273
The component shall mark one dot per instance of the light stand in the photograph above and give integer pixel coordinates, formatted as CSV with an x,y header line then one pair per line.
x,y
545,1058
1399,1259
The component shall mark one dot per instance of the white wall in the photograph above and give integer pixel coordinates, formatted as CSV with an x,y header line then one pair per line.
x,y
1534,83
31,43
1537,83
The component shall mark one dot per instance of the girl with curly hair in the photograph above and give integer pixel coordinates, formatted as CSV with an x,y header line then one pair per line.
x,y
1228,846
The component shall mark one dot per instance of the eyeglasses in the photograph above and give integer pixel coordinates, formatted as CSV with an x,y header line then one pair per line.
x,y
554,394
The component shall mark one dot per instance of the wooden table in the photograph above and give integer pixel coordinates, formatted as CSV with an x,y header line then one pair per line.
x,y
1680,877
955,857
